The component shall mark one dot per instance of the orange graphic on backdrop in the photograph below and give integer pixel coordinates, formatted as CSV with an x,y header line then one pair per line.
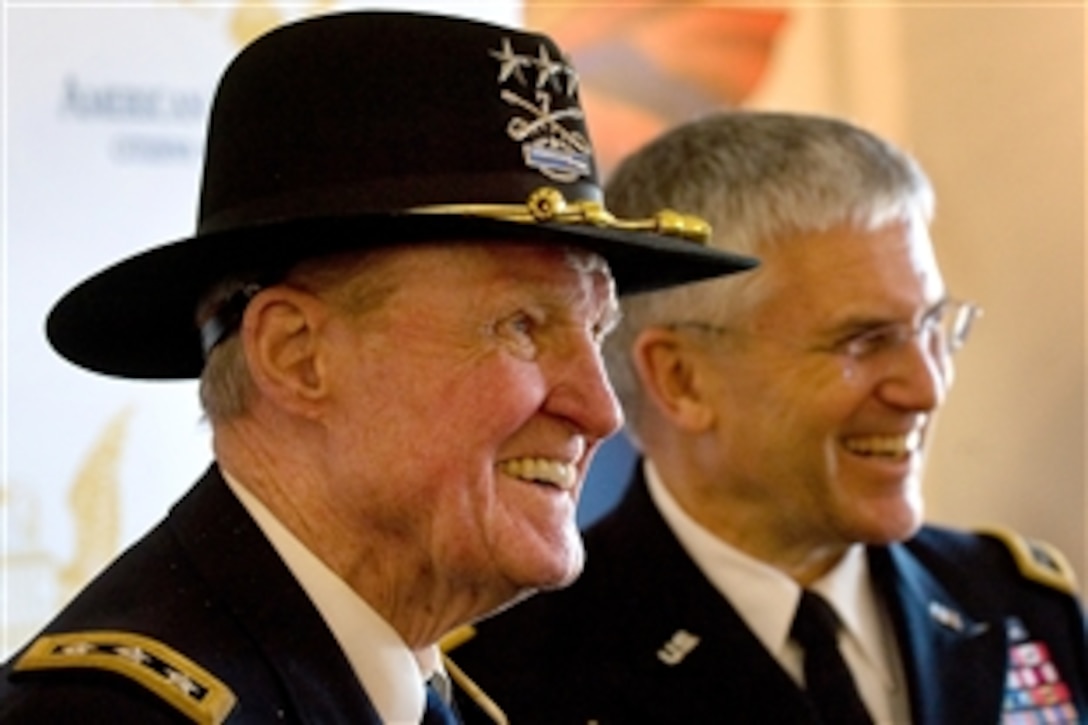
x,y
646,66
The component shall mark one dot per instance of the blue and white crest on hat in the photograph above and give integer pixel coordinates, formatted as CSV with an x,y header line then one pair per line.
x,y
548,101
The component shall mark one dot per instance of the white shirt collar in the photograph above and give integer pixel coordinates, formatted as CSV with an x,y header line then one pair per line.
x,y
388,670
763,596
848,589
766,598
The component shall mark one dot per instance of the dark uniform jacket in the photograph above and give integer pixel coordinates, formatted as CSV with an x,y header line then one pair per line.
x,y
643,637
199,617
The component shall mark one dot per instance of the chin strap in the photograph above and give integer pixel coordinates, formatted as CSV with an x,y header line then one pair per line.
x,y
548,204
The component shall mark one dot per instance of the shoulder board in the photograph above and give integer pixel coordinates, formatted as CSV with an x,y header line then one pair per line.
x,y
1037,560
175,678
466,684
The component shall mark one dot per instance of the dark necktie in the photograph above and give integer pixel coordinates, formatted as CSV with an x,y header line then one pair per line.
x,y
438,711
828,681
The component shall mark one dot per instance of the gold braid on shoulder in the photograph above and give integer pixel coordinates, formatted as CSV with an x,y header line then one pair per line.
x,y
170,675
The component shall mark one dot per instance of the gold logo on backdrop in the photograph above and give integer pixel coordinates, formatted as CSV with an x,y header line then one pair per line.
x,y
94,500
248,19
39,582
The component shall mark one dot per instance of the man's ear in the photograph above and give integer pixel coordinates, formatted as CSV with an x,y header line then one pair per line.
x,y
671,371
281,331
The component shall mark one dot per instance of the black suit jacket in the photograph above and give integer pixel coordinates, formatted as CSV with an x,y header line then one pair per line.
x,y
643,637
207,583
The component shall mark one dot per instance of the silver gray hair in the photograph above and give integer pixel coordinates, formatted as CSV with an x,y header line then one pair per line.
x,y
759,179
226,384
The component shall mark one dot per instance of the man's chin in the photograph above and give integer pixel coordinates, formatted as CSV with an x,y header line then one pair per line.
x,y
525,586
555,570
895,527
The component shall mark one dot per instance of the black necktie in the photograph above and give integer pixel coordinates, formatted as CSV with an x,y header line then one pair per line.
x,y
828,681
437,711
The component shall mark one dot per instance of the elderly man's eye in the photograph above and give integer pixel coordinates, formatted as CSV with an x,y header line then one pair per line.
x,y
521,324
519,332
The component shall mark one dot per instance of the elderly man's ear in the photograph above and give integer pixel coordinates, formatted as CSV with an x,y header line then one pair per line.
x,y
282,336
674,374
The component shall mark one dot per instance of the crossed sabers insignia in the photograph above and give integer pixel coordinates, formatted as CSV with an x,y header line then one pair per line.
x,y
521,128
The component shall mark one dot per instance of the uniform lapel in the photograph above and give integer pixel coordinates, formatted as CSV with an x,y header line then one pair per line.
x,y
266,600
954,659
680,634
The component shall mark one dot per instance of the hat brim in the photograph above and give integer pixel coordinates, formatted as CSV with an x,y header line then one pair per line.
x,y
136,319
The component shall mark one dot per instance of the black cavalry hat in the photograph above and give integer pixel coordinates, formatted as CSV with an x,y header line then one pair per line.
x,y
374,128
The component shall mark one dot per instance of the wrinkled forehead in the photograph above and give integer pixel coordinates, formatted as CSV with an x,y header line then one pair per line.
x,y
478,268
578,280
462,255
846,266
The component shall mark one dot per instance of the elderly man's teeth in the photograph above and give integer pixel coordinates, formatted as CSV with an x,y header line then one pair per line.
x,y
894,446
542,470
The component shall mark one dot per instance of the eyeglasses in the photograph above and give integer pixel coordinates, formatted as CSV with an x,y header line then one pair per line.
x,y
944,329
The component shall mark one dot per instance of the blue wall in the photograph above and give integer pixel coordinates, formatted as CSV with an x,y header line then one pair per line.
x,y
607,478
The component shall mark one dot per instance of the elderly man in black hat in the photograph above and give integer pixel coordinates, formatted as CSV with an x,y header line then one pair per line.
x,y
394,300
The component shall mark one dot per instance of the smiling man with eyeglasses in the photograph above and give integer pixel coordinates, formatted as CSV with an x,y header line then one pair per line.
x,y
770,563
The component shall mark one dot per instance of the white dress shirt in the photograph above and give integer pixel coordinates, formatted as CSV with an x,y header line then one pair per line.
x,y
766,599
388,670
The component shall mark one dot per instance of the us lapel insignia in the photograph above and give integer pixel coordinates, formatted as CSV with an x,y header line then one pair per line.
x,y
946,616
678,647
951,619
1034,690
